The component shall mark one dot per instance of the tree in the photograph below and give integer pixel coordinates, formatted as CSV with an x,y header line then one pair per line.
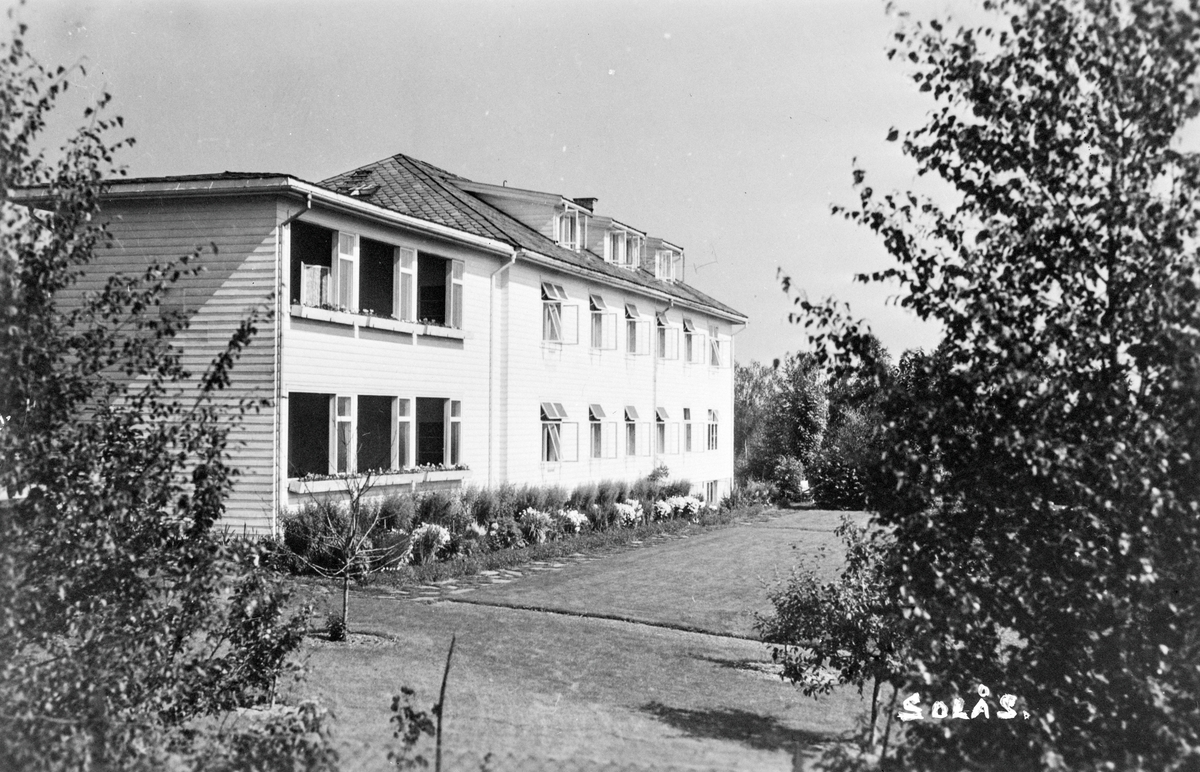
x,y
847,631
779,412
347,540
124,615
1045,483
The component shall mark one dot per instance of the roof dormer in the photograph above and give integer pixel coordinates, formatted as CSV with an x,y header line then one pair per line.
x,y
667,263
623,245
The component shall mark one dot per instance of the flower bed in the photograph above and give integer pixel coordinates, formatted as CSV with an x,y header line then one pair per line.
x,y
442,525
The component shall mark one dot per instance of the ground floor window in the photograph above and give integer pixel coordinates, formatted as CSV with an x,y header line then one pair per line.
x,y
342,434
710,492
687,430
560,438
712,430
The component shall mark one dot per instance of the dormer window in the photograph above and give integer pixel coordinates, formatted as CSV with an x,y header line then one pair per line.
x,y
668,265
568,229
623,248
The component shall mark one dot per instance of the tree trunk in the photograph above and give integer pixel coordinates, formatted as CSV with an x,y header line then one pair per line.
x,y
887,727
874,714
441,707
346,605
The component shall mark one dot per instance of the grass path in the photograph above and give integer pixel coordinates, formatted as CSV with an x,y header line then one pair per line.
x,y
581,689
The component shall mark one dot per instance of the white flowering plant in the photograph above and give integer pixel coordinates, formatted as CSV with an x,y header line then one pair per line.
x,y
629,513
536,525
684,506
428,539
571,520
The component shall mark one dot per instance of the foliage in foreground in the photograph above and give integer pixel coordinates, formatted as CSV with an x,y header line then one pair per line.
x,y
846,631
1044,482
125,619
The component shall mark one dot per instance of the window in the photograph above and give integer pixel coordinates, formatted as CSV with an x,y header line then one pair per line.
x,y
568,229
603,434
693,343
377,278
345,286
404,435
637,331
712,430
687,430
375,435
343,271
716,347
615,248
604,324
560,322
633,250
710,492
668,338
560,440
343,436
312,261
631,438
431,431
308,434
406,287
666,433
455,432
668,265
439,294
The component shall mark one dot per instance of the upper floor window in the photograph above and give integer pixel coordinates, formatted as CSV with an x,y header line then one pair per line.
x,y
718,348
667,339
637,331
693,343
604,324
668,265
343,271
560,322
569,229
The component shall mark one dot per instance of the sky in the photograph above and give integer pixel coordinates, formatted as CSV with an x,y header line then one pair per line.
x,y
728,128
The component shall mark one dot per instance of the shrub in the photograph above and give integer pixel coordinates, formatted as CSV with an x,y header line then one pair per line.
x,y
584,497
397,512
788,477
571,520
335,627
504,533
428,539
677,488
752,494
609,492
535,524
629,513
659,473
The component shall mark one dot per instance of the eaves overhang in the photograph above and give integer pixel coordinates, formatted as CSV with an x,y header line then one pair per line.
x,y
632,286
207,187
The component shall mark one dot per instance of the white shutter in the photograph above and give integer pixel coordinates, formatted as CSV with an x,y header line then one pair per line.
x,y
406,287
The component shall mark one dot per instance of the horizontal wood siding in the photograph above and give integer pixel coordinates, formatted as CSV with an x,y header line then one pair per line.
x,y
577,376
349,359
236,279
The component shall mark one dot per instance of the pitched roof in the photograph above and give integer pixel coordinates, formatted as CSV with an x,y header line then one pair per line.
x,y
419,189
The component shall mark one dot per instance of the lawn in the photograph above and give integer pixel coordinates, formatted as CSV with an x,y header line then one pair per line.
x,y
579,690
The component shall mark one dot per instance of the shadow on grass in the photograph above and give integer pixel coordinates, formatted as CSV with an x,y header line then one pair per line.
x,y
764,733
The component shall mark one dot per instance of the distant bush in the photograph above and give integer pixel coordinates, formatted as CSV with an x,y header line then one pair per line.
x,y
788,477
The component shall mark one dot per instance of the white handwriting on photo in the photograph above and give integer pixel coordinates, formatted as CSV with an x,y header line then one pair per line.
x,y
911,709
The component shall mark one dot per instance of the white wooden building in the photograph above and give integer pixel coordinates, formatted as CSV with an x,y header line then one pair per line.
x,y
441,331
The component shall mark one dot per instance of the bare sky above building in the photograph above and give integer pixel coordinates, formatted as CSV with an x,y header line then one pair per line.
x,y
726,127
